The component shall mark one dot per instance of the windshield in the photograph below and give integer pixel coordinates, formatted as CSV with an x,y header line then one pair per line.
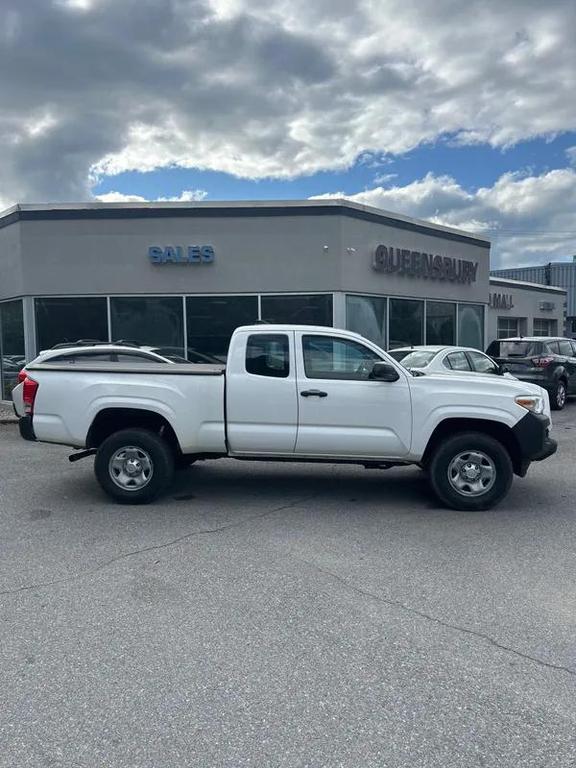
x,y
418,358
514,348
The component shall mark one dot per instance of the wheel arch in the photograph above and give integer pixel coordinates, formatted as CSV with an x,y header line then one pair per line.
x,y
501,432
561,374
111,420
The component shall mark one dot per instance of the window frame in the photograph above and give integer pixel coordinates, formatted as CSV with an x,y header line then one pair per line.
x,y
454,320
284,338
472,352
507,334
328,297
458,370
40,302
331,376
550,326
392,300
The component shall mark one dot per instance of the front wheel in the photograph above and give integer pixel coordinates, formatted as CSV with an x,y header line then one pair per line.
x,y
558,396
134,466
471,471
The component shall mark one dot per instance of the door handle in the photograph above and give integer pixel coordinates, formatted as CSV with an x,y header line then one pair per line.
x,y
314,393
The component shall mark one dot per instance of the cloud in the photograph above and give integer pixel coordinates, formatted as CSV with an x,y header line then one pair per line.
x,y
529,219
384,178
268,88
187,195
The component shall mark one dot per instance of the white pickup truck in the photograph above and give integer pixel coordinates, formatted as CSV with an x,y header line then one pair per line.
x,y
299,393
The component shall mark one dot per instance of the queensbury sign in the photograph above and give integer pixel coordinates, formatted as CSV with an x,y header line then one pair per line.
x,y
181,254
401,261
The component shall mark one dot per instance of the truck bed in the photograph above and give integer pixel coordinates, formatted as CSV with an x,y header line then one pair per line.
x,y
189,396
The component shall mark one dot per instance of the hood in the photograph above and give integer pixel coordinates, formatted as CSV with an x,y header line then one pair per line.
x,y
493,384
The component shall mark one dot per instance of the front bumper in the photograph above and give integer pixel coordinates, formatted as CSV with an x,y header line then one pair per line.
x,y
26,428
533,438
548,449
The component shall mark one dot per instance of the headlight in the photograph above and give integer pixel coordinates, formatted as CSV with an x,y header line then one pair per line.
x,y
533,403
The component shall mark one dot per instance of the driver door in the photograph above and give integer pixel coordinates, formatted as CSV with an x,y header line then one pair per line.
x,y
342,411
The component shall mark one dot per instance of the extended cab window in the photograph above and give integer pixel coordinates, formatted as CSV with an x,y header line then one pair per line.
x,y
326,357
268,354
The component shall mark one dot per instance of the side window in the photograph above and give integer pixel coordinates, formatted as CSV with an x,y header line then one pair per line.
x,y
573,347
481,363
326,357
268,354
552,346
565,348
458,361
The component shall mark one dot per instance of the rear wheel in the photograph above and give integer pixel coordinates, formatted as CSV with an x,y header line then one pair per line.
x,y
134,466
471,471
558,396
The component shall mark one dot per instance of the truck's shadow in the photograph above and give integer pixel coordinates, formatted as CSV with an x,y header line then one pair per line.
x,y
226,486
234,481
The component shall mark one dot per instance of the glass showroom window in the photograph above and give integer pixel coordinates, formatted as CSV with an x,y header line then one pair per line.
x,y
11,344
155,321
507,327
545,327
440,322
311,309
406,325
471,325
211,321
366,315
60,320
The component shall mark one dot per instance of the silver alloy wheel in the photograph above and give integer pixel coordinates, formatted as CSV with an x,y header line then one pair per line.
x,y
561,394
472,473
131,468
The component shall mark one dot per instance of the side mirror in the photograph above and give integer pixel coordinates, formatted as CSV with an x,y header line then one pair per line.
x,y
384,372
502,369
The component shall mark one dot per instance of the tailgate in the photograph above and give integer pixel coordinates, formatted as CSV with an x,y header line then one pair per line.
x,y
519,366
517,355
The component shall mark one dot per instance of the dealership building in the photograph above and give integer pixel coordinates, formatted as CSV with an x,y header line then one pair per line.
x,y
561,273
184,275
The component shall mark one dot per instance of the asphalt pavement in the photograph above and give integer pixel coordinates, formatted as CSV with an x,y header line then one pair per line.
x,y
267,614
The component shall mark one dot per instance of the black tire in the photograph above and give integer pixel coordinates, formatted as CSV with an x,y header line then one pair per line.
x,y
496,463
558,395
183,462
148,449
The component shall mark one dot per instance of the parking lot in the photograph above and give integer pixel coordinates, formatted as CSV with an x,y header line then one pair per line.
x,y
285,615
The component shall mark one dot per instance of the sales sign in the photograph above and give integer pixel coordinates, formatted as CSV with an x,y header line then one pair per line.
x,y
181,254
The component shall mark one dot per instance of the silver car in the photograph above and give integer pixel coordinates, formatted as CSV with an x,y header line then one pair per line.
x,y
447,359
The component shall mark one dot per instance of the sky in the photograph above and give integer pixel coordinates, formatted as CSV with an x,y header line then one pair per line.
x,y
459,113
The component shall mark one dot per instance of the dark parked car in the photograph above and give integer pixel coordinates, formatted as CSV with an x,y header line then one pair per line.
x,y
549,362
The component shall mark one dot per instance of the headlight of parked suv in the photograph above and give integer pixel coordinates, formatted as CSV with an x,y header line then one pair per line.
x,y
533,403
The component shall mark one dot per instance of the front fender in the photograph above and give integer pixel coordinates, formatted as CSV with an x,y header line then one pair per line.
x,y
442,413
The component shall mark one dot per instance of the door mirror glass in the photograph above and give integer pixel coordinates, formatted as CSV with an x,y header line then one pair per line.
x,y
384,372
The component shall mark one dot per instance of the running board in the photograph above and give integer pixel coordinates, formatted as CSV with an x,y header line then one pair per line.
x,y
82,454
